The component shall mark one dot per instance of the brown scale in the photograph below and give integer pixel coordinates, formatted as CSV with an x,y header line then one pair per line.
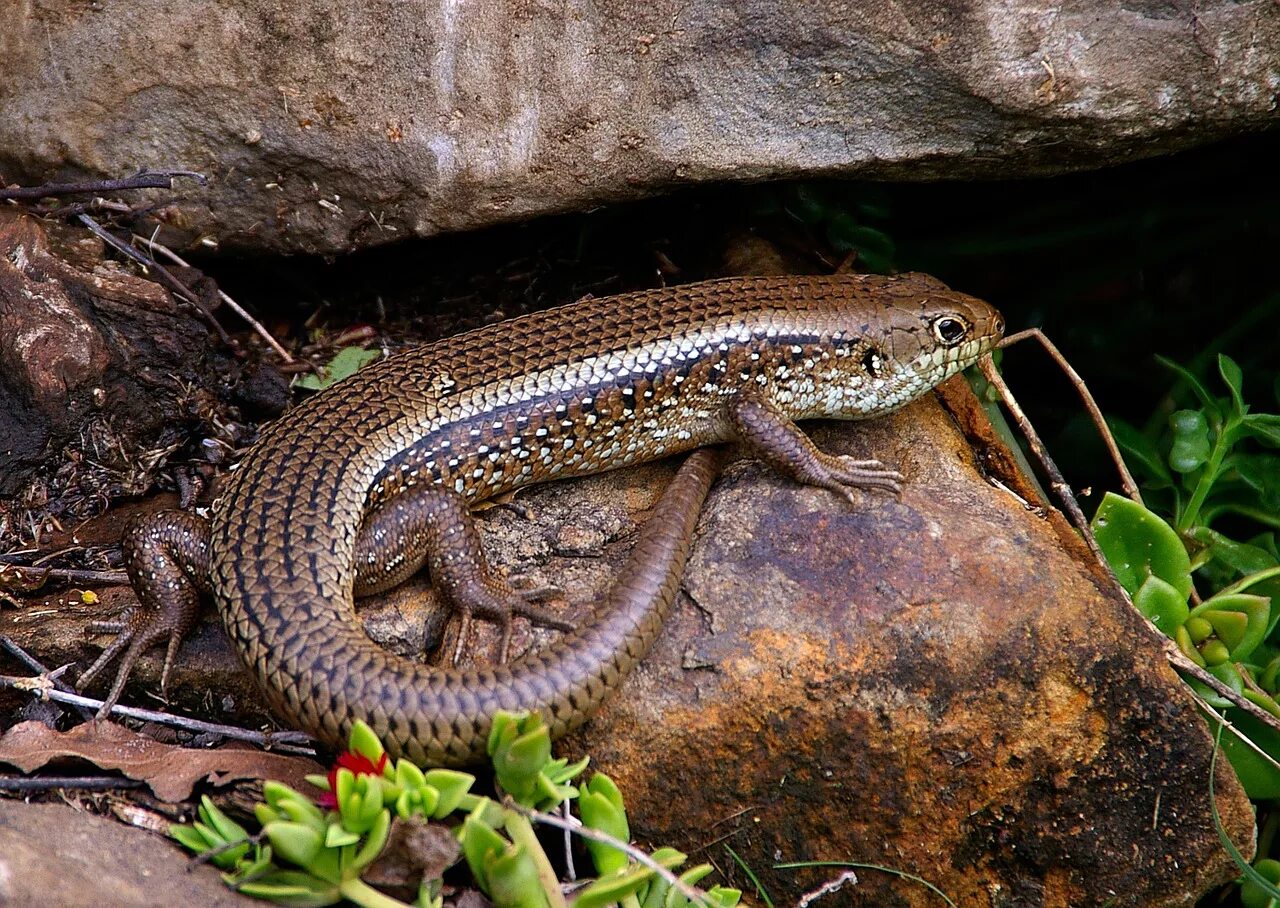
x,y
366,482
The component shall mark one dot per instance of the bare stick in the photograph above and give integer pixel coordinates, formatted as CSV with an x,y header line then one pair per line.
x,y
40,668
147,179
285,741
827,888
1240,736
1178,659
166,276
67,575
1038,450
586,832
228,301
82,783
1126,478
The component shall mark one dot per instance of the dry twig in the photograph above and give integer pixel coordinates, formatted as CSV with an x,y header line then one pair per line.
x,y
284,741
231,304
146,179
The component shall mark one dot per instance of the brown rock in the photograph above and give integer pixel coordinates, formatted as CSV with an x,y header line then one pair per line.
x,y
941,684
57,857
326,128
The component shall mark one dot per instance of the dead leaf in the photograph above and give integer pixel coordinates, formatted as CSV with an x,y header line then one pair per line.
x,y
171,771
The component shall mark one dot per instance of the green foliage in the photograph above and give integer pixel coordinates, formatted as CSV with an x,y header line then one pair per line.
x,y
1209,470
315,857
347,361
520,748
600,804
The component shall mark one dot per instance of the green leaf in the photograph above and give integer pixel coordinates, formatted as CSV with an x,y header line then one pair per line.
x,y
1138,545
1261,471
345,363
191,838
1263,426
807,204
600,805
1191,445
1260,779
227,828
292,888
1210,404
294,842
1162,604
1234,378
362,739
846,234
691,877
479,839
372,846
1239,556
513,879
725,896
1253,895
613,888
1239,620
335,836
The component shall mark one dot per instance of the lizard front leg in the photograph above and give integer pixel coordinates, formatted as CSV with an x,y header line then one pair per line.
x,y
770,435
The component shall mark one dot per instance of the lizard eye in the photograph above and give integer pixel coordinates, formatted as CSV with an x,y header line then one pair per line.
x,y
950,330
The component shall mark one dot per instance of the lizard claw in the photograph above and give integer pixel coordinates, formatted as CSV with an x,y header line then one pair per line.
x,y
135,634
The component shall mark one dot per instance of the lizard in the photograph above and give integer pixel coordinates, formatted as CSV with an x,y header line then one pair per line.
x,y
358,487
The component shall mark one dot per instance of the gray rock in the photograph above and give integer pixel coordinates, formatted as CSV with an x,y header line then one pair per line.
x,y
56,857
326,128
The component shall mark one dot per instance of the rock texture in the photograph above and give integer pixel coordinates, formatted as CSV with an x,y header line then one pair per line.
x,y
943,685
940,684
326,128
58,857
102,374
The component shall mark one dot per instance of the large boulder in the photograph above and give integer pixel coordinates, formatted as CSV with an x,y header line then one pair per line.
x,y
326,127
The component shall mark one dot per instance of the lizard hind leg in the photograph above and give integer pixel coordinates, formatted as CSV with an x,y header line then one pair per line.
x,y
167,558
432,525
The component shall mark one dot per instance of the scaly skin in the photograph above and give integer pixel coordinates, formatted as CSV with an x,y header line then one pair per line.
x,y
579,389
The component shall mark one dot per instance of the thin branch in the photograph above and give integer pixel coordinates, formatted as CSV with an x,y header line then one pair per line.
x,y
40,668
1240,736
586,832
166,276
284,741
82,783
64,575
1095,412
231,304
147,179
1173,654
1178,659
827,888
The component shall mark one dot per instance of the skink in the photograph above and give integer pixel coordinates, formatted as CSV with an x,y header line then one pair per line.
x,y
355,489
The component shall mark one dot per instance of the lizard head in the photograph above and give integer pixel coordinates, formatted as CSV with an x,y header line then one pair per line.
x,y
892,340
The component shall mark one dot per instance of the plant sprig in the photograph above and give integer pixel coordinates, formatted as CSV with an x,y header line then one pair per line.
x,y
313,852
